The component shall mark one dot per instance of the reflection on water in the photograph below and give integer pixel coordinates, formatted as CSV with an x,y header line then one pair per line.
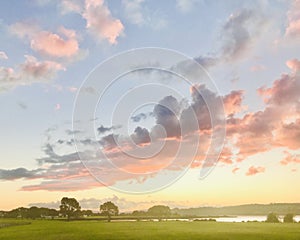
x,y
250,218
220,219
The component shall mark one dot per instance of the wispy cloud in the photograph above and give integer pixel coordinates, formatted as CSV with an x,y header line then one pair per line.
x,y
254,170
3,55
293,24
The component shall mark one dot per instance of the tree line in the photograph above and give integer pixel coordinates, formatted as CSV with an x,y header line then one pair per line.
x,y
70,209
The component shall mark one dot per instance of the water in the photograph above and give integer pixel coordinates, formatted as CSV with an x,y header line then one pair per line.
x,y
250,218
220,219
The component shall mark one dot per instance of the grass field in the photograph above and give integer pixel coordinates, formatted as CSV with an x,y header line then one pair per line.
x,y
84,230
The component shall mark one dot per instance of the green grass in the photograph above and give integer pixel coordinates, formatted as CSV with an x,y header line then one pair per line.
x,y
84,230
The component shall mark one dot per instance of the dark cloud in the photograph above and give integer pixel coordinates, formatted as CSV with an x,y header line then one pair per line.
x,y
141,116
19,173
22,105
207,62
239,32
109,141
103,129
72,132
202,96
167,113
141,135
53,157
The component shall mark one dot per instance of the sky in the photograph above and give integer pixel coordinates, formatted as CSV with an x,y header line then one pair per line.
x,y
184,103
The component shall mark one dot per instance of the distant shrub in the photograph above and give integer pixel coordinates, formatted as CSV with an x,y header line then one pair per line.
x,y
289,218
272,218
205,220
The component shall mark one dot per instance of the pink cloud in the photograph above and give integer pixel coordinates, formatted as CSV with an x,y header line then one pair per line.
x,y
254,170
100,21
290,158
233,102
40,70
57,107
293,24
277,125
29,72
53,45
288,135
72,89
283,92
48,43
293,64
257,68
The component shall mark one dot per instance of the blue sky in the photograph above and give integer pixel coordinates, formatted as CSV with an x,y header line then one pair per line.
x,y
250,50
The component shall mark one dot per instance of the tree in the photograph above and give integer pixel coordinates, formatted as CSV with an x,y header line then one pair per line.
x,y
272,218
52,213
33,213
108,209
159,210
289,218
86,212
138,213
69,207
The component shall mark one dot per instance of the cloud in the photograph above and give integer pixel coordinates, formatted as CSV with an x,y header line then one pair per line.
x,y
235,170
48,43
69,184
73,89
293,64
257,68
293,20
139,117
54,45
22,105
277,125
167,113
141,135
24,29
206,61
3,55
57,107
202,96
233,102
283,92
133,11
53,157
102,129
254,170
288,135
239,33
19,173
237,37
72,132
185,6
39,70
68,6
290,158
100,21
109,141
31,71
98,17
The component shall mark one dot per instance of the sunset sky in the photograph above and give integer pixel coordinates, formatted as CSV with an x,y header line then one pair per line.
x,y
248,83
